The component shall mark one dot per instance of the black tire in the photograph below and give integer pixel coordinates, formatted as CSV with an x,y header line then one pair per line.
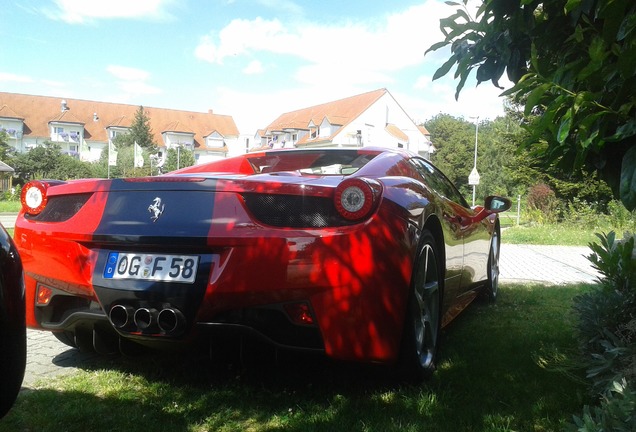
x,y
12,346
491,289
421,336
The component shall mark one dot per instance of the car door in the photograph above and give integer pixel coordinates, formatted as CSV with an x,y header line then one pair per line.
x,y
472,258
452,217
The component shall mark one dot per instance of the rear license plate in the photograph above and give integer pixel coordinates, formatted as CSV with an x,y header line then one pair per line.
x,y
151,267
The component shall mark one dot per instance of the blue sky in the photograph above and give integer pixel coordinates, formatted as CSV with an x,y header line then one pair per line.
x,y
251,59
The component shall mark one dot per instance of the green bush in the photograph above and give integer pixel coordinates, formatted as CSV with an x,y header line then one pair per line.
x,y
582,214
620,218
12,195
607,334
616,261
543,204
615,413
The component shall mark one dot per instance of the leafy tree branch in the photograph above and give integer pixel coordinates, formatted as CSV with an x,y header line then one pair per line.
x,y
573,65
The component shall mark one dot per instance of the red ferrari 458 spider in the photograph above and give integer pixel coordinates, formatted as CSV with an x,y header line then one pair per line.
x,y
362,254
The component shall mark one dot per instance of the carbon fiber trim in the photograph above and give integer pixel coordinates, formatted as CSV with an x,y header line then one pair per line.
x,y
60,208
294,211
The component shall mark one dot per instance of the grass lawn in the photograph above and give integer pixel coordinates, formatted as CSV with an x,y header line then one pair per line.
x,y
501,370
9,206
558,234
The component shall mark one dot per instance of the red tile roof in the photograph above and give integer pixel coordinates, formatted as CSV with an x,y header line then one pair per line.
x,y
340,112
7,112
38,111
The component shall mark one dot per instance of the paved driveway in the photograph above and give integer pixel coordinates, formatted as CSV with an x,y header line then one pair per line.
x,y
551,265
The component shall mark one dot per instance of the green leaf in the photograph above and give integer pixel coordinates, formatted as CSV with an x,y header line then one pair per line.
x,y
627,188
443,70
627,26
626,130
534,57
460,86
571,5
535,96
597,50
436,46
627,59
564,128
578,34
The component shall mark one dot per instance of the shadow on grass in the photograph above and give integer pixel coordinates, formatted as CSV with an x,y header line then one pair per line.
x,y
489,379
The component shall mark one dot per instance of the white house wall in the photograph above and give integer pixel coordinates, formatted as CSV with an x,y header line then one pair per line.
x,y
372,122
13,127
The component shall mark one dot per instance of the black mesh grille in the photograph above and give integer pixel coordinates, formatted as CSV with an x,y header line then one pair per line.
x,y
294,211
61,208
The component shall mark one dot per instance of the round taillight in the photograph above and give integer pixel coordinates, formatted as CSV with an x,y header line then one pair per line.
x,y
34,197
354,198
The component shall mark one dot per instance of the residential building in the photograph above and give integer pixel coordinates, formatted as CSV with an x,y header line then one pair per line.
x,y
369,119
85,128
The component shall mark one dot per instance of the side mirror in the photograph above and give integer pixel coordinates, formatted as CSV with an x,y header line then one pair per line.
x,y
497,204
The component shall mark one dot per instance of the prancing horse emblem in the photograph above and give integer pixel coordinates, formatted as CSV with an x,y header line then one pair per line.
x,y
156,208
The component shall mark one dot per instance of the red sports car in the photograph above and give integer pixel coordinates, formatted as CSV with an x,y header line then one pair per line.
x,y
362,254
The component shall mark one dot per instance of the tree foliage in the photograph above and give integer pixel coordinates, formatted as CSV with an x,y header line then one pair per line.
x,y
125,166
48,162
497,161
573,64
139,132
178,158
6,151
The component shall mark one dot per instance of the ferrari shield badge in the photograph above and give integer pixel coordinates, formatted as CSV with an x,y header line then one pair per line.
x,y
156,209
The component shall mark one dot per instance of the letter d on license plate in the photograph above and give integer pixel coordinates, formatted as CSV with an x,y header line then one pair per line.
x,y
151,267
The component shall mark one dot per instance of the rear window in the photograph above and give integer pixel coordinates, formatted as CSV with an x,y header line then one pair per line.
x,y
311,162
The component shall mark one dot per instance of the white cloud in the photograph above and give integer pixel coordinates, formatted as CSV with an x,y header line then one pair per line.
x,y
5,76
243,36
82,11
132,82
54,84
255,67
341,59
128,73
349,52
433,97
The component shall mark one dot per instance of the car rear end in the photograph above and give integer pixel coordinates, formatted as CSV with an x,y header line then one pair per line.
x,y
293,259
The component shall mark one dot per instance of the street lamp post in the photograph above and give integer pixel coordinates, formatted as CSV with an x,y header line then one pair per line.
x,y
473,179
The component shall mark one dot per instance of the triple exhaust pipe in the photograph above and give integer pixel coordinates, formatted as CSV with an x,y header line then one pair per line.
x,y
169,320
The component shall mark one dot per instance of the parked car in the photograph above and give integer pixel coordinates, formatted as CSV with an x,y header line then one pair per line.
x,y
12,323
360,254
